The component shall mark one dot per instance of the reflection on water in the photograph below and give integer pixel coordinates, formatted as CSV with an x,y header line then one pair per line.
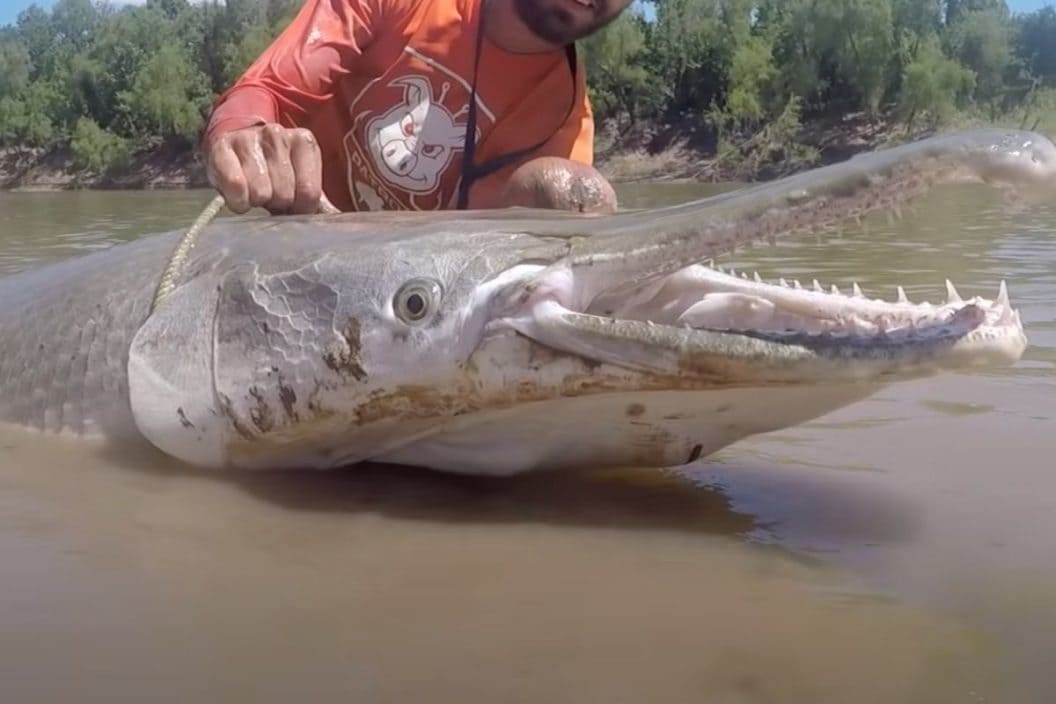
x,y
899,550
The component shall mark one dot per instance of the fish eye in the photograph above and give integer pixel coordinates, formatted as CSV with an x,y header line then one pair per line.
x,y
416,300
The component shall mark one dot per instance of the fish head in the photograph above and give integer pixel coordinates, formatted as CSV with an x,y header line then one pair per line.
x,y
661,373
322,348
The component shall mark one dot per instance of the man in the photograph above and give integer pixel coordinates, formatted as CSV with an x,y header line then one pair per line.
x,y
415,104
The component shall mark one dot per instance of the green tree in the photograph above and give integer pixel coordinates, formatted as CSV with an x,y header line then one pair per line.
x,y
691,53
621,86
14,66
96,149
168,94
1036,43
981,40
752,71
933,84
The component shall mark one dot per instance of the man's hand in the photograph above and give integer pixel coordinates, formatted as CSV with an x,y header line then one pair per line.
x,y
267,166
559,184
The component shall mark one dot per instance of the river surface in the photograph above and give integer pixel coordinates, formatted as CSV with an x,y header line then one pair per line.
x,y
900,550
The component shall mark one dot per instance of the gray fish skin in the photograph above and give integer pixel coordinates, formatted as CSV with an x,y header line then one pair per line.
x,y
65,330
493,342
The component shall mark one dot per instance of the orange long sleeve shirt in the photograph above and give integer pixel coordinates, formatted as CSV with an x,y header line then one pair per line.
x,y
384,85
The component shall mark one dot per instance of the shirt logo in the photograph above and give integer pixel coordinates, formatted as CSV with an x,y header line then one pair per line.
x,y
412,144
408,130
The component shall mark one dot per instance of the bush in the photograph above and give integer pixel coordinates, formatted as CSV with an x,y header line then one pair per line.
x,y
932,85
97,150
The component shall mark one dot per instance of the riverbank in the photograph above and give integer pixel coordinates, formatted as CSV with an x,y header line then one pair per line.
x,y
680,150
684,151
54,169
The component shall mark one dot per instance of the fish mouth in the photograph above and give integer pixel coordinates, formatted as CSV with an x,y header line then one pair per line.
x,y
704,323
635,293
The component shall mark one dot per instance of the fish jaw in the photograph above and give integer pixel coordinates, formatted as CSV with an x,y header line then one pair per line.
x,y
701,323
672,371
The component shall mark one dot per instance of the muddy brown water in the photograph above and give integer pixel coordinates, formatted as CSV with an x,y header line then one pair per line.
x,y
900,550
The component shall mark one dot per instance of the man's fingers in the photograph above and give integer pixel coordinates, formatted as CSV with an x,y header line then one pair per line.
x,y
308,171
268,166
254,165
275,144
225,173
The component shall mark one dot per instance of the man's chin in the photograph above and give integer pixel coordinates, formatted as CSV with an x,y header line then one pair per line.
x,y
555,26
555,31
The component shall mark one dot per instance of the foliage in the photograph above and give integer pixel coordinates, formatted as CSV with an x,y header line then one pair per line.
x,y
1036,43
107,78
775,147
168,94
621,84
96,149
933,84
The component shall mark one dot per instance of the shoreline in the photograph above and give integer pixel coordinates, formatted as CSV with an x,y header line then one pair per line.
x,y
677,152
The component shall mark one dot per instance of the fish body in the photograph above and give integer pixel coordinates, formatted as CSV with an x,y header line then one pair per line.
x,y
493,342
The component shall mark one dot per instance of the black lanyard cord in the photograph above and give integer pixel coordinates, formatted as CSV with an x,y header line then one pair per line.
x,y
471,172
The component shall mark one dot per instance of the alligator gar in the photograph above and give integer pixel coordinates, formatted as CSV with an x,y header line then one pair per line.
x,y
493,342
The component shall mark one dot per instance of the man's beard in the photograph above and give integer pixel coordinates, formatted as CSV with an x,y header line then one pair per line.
x,y
557,25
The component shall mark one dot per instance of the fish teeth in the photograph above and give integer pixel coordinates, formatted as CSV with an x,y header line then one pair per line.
x,y
902,297
817,287
835,290
1008,316
784,282
857,290
796,284
951,293
758,279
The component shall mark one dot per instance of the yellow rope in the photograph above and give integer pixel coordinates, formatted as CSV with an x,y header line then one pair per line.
x,y
190,238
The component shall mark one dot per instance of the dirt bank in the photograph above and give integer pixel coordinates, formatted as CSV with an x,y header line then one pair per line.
x,y
54,169
686,149
626,152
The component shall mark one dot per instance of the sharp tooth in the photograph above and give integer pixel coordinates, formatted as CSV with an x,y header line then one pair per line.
x,y
951,293
817,286
744,276
857,290
902,297
835,290
758,279
783,282
711,263
795,283
1002,295
732,271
